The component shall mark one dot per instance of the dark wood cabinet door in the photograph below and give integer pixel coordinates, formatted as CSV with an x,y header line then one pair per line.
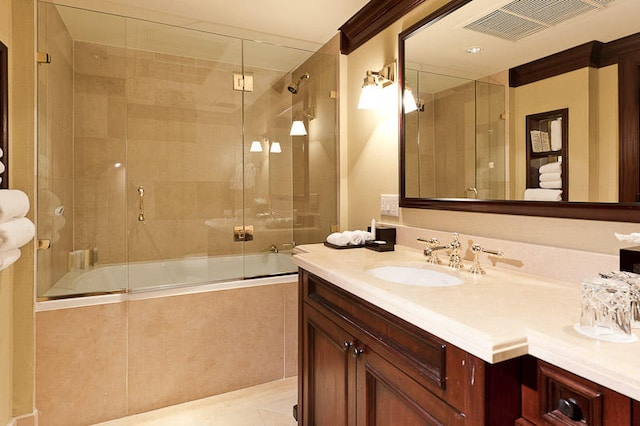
x,y
328,366
386,396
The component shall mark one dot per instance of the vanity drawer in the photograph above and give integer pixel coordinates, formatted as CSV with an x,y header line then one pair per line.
x,y
567,399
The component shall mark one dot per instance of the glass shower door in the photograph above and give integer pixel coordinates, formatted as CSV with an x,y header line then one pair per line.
x,y
185,156
81,156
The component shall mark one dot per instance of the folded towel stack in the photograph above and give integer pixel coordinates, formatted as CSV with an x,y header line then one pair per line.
x,y
551,175
15,229
349,238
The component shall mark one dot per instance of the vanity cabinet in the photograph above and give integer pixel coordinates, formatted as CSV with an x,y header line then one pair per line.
x,y
553,396
360,365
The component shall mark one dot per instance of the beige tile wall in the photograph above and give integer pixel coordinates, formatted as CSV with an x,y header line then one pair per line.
x,y
81,364
101,362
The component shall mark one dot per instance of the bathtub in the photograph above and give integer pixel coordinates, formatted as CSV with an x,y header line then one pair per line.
x,y
168,274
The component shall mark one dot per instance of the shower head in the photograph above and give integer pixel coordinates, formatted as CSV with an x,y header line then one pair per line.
x,y
295,87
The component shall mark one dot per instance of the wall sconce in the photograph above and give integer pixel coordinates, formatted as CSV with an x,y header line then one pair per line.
x,y
275,148
256,146
298,129
374,82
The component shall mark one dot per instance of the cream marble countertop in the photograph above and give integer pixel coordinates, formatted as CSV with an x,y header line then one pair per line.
x,y
496,316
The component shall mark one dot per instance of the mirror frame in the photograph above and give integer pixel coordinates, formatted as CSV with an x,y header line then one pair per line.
x,y
4,114
629,152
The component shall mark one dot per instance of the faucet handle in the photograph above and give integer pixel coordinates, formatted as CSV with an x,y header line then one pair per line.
x,y
431,255
477,249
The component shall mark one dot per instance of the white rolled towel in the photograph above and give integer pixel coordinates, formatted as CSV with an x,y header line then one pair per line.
x,y
15,233
355,238
338,239
547,177
364,235
8,258
555,167
552,184
540,194
13,203
556,135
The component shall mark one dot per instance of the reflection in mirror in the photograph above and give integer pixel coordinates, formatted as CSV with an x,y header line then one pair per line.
x,y
455,140
457,146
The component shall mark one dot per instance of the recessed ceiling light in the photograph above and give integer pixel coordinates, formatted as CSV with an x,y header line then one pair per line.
x,y
474,49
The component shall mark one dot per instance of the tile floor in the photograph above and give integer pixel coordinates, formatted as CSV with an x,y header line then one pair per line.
x,y
269,404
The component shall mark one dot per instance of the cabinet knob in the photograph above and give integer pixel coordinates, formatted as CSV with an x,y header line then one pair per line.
x,y
347,345
570,408
357,352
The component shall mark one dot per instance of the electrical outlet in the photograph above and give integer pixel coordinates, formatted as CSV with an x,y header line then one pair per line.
x,y
389,205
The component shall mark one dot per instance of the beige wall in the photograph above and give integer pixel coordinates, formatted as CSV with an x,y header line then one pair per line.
x,y
6,277
16,283
373,169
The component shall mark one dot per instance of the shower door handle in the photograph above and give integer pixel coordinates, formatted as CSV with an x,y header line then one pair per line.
x,y
141,203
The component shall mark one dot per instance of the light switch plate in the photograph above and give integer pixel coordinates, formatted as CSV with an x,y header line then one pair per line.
x,y
389,205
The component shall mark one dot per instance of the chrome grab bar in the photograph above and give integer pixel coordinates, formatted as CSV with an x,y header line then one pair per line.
x,y
141,203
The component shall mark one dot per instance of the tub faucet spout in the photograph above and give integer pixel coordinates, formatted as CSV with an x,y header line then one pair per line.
x,y
273,248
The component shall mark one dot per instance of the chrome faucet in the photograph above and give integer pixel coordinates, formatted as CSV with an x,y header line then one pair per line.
x,y
453,247
273,248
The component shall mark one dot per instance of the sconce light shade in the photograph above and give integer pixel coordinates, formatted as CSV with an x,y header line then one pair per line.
x,y
409,101
256,146
275,148
298,129
369,96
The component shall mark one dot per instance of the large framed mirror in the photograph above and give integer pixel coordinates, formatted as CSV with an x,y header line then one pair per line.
x,y
520,107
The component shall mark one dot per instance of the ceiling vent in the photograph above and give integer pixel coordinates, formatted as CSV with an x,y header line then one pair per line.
x,y
521,18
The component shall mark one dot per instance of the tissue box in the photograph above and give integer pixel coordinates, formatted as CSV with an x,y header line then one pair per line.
x,y
385,239
630,259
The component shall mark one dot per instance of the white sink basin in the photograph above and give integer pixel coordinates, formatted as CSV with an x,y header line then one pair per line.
x,y
412,275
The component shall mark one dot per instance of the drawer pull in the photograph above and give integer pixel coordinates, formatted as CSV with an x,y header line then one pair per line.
x,y
347,345
357,352
570,408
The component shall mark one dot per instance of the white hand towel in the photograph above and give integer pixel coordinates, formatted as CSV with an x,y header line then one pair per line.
x,y
15,233
539,194
552,184
338,239
13,203
546,177
8,258
551,168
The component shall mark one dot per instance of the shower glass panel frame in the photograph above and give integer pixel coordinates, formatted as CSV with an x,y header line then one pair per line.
x,y
145,175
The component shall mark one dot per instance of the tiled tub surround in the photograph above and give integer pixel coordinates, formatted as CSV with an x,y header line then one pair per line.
x,y
498,316
139,352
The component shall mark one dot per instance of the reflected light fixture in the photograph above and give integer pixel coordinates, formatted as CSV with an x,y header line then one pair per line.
x,y
256,146
298,129
409,101
374,82
275,148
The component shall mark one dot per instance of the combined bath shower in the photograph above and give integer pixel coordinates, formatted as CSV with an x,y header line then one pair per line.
x,y
295,87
